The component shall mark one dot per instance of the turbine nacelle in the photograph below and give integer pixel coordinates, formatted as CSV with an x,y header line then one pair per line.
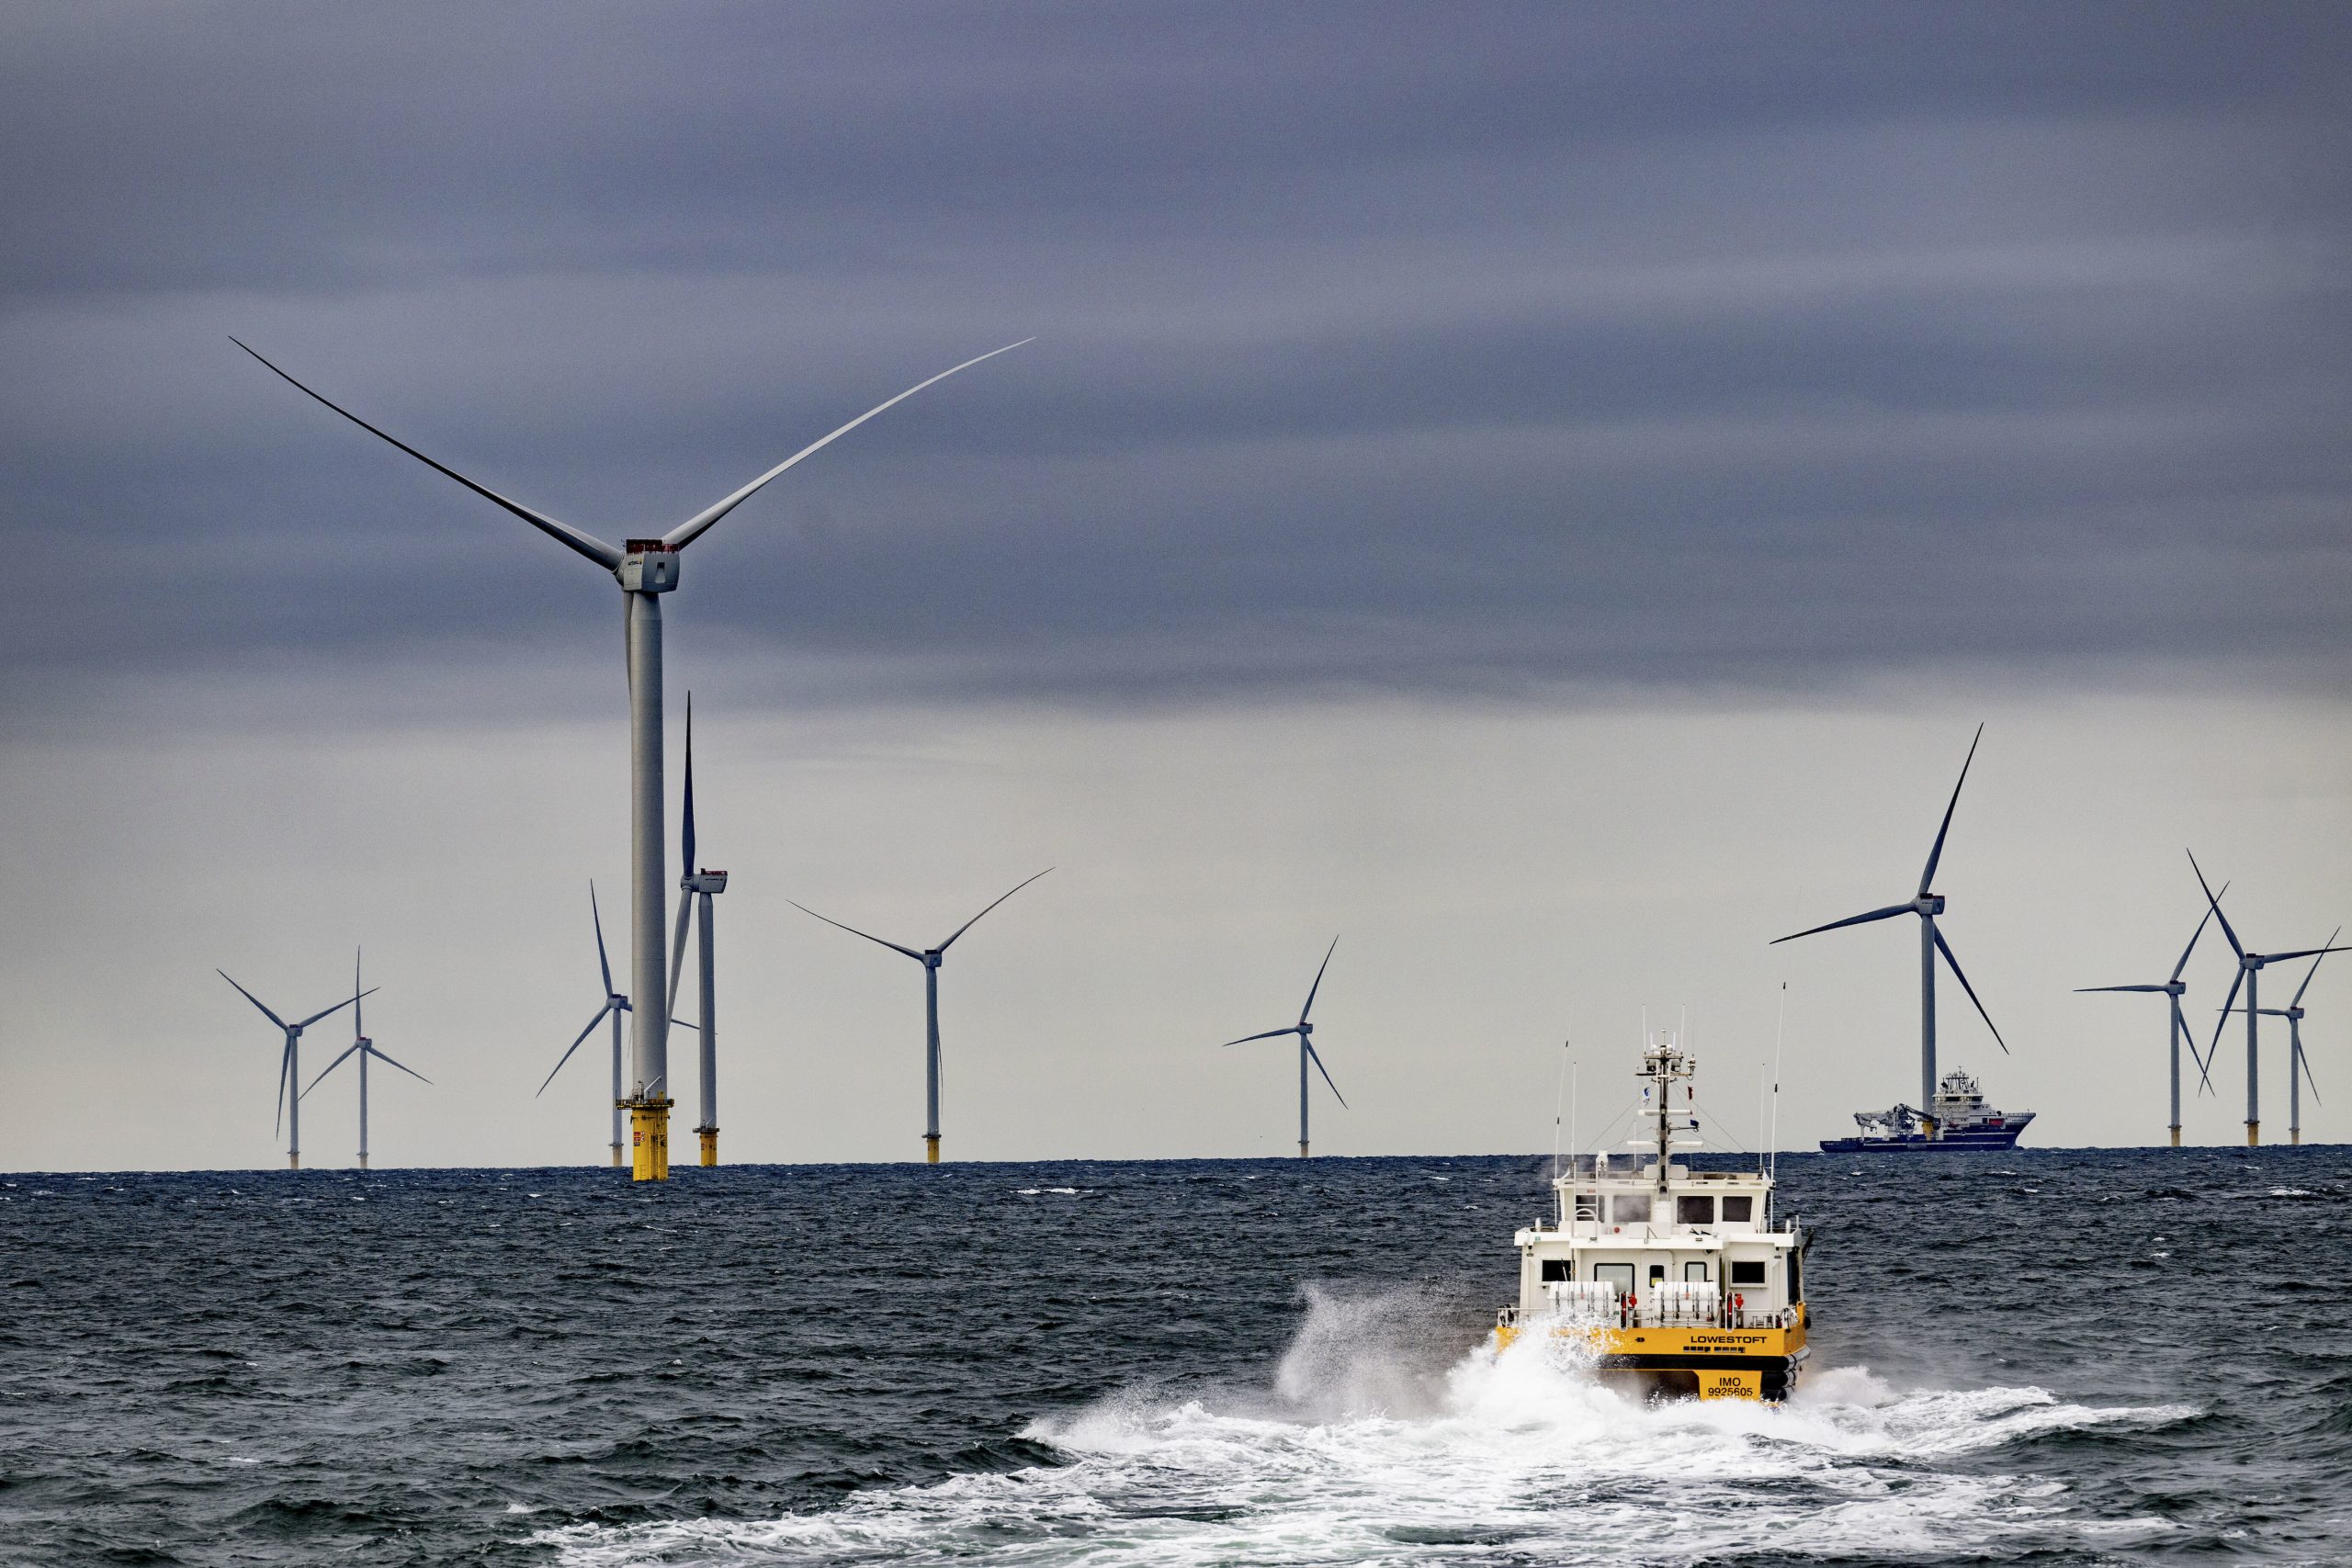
x,y
1928,904
648,566
704,881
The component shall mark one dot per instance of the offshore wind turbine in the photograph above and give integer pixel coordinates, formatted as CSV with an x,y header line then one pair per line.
x,y
1926,905
1307,1051
364,1048
2250,967
615,1005
2299,1067
930,958
289,1066
646,569
2173,989
696,889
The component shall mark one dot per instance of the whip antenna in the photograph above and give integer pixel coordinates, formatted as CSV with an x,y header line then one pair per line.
x,y
1559,1097
1779,1032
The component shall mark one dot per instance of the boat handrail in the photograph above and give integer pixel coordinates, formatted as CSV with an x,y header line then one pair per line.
x,y
1632,1315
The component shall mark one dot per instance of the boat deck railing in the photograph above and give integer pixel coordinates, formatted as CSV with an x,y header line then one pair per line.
x,y
1631,1312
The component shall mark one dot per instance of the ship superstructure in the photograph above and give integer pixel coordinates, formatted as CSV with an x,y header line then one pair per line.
x,y
1958,1119
1682,1280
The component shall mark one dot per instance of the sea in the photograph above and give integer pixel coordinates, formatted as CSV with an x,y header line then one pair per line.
x,y
2042,1357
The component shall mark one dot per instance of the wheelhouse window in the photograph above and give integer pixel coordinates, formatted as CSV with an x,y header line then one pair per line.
x,y
1747,1271
1695,1209
1629,1208
1558,1270
1621,1275
1695,1272
1589,1206
1739,1209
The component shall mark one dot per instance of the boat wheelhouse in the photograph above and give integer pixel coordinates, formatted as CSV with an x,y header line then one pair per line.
x,y
1682,1280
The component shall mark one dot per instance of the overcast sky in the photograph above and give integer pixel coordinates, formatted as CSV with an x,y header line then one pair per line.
x,y
1546,492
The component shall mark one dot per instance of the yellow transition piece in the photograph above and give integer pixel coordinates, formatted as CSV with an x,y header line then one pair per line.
x,y
648,1136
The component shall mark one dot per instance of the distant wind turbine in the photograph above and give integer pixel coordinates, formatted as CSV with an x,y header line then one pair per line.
x,y
2173,989
646,569
364,1048
2250,967
930,958
2298,1067
289,1067
1926,905
696,888
1307,1051
615,1005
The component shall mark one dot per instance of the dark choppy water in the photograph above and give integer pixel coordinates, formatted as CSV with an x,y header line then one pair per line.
x,y
2046,1358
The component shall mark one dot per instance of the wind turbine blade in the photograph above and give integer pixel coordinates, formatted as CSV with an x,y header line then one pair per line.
x,y
681,1024
1936,853
678,945
1319,984
1315,1056
252,999
2306,1062
346,1002
1269,1034
358,1024
853,930
2235,945
975,920
1945,948
285,1072
1886,914
685,533
2317,959
410,1071
603,964
686,834
2200,931
2080,989
559,1061
2221,1022
2302,953
588,545
329,1067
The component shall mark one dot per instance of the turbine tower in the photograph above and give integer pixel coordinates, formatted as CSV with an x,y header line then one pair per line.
x,y
2250,967
2298,1067
646,569
929,958
2297,1063
2173,989
615,1005
364,1048
1307,1051
1926,905
696,889
289,1066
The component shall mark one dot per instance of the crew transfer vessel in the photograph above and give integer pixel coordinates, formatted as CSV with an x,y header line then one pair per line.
x,y
1681,1281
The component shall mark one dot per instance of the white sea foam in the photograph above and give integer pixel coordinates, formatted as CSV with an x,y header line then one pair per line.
x,y
1367,1449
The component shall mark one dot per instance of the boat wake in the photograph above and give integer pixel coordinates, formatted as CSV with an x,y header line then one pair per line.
x,y
1373,1445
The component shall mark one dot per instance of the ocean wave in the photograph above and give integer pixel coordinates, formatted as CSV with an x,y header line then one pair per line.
x,y
1365,1447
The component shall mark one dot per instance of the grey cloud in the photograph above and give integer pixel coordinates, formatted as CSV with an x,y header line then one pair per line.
x,y
1398,347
